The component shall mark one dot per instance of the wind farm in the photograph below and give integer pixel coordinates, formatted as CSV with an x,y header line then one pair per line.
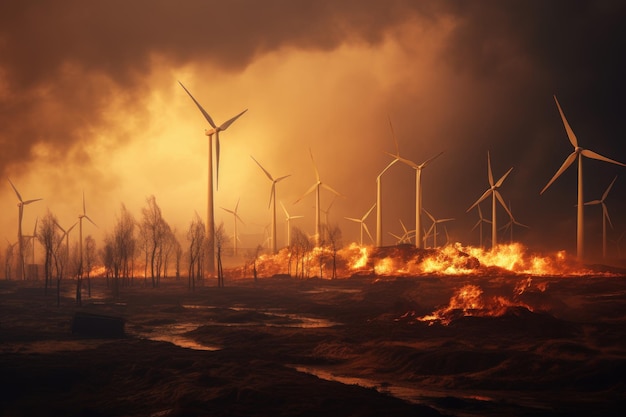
x,y
384,284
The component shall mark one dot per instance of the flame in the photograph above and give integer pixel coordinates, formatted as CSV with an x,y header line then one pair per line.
x,y
406,260
469,301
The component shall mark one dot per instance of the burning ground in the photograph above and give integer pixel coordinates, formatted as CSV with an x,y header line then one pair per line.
x,y
470,344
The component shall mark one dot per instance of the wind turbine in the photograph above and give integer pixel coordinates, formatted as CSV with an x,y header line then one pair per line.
x,y
493,190
20,206
235,217
418,187
407,235
316,187
215,130
80,233
272,200
363,226
288,218
479,224
605,214
433,227
578,153
511,223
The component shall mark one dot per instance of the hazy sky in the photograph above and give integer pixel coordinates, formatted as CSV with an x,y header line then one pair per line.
x,y
89,100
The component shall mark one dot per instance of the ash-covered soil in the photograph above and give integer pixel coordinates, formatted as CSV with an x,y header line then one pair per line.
x,y
291,347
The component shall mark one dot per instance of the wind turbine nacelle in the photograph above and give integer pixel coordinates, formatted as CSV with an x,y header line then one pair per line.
x,y
209,132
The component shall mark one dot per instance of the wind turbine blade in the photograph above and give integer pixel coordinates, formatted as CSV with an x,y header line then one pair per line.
x,y
317,174
396,236
281,178
239,218
35,229
476,225
230,121
228,210
388,165
592,203
501,180
594,155
70,229
59,226
237,205
90,221
605,212
393,134
19,197
520,224
352,219
32,201
501,200
429,215
368,212
568,129
272,194
204,113
608,189
482,197
566,164
428,161
367,231
309,191
284,209
489,173
296,217
445,220
403,227
264,170
405,161
329,188
84,210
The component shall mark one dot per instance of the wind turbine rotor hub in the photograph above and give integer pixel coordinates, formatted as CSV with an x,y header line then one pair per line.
x,y
578,149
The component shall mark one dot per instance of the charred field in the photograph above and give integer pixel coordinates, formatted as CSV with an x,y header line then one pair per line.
x,y
360,346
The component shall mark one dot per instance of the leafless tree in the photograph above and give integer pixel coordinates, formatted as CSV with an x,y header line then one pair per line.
x,y
155,229
8,260
178,256
221,239
196,238
301,246
333,234
106,256
50,240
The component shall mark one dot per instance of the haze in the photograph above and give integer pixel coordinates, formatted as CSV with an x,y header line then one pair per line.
x,y
90,100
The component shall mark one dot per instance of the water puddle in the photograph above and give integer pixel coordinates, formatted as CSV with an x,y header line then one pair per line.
x,y
174,334
430,397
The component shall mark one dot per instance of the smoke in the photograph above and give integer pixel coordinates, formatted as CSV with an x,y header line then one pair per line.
x,y
83,84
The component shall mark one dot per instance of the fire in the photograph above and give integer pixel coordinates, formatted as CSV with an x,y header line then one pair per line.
x,y
469,301
406,260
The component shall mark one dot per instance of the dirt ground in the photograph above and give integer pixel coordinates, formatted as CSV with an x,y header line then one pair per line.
x,y
292,347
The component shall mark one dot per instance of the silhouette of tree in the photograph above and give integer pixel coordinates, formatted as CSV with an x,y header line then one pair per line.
x,y
196,238
50,239
155,230
89,255
333,234
221,238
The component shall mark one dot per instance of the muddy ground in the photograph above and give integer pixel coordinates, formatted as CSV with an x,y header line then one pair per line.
x,y
291,347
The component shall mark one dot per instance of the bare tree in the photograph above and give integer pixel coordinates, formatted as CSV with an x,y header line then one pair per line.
x,y
178,256
221,239
8,260
333,234
155,229
301,246
50,240
196,238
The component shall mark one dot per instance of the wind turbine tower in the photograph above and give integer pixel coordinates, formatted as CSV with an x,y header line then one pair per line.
x,y
272,202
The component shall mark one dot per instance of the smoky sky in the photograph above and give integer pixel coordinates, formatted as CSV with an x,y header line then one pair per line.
x,y
521,52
